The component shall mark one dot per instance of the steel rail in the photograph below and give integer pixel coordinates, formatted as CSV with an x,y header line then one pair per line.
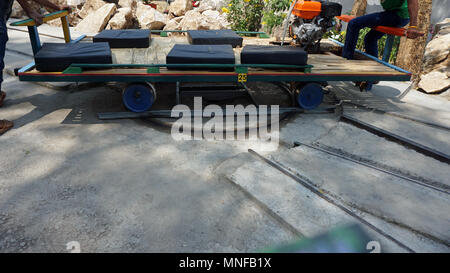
x,y
327,198
376,110
297,143
403,140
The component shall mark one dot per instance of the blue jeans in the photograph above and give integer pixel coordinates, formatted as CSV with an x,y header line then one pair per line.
x,y
385,18
3,40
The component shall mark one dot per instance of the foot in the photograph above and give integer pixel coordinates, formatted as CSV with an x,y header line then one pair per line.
x,y
2,97
5,125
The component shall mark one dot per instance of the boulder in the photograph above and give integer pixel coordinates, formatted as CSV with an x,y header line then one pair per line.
x,y
132,4
436,51
217,16
443,26
434,82
211,5
75,2
174,24
90,6
194,20
121,20
150,18
180,7
211,13
96,21
161,6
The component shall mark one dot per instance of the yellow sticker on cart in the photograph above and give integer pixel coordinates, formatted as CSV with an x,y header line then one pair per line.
x,y
242,77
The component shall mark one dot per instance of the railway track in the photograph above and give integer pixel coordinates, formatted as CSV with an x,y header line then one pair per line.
x,y
379,111
405,141
327,197
372,166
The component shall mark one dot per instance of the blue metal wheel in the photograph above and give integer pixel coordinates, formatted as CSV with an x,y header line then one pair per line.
x,y
310,96
139,97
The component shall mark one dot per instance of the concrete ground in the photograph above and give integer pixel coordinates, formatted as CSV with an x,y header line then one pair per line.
x,y
127,186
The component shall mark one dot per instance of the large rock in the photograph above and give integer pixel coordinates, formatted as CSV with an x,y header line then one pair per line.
x,y
90,7
132,4
436,52
96,21
434,82
75,2
174,24
194,20
211,5
217,16
180,7
121,20
150,18
442,28
161,6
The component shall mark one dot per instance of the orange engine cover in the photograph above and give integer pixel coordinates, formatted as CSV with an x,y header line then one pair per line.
x,y
307,9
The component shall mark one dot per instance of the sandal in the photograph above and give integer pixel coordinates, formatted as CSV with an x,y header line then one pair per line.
x,y
5,125
2,97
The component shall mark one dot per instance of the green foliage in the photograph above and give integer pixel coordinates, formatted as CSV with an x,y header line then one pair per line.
x,y
274,13
245,15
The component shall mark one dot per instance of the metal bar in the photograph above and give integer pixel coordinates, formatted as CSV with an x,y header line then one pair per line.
x,y
167,113
54,77
375,110
405,141
297,143
66,29
34,39
47,17
189,65
326,197
374,58
177,93
79,39
184,31
27,67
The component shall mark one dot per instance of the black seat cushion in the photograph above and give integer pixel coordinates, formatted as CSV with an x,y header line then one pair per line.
x,y
127,38
53,57
261,54
200,54
214,37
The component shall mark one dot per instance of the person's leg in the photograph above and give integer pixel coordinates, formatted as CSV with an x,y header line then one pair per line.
x,y
371,42
385,18
3,40
353,28
389,19
5,125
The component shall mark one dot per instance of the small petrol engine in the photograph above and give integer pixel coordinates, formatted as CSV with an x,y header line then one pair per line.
x,y
311,21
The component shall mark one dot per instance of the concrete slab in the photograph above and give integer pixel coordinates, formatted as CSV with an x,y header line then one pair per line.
x,y
382,195
307,212
415,104
428,136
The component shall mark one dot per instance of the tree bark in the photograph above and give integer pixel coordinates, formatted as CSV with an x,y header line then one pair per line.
x,y
359,7
410,52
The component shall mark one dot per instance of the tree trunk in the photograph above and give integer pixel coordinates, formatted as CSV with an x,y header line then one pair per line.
x,y
410,52
359,7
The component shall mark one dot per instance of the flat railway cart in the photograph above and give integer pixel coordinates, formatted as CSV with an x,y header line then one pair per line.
x,y
304,82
